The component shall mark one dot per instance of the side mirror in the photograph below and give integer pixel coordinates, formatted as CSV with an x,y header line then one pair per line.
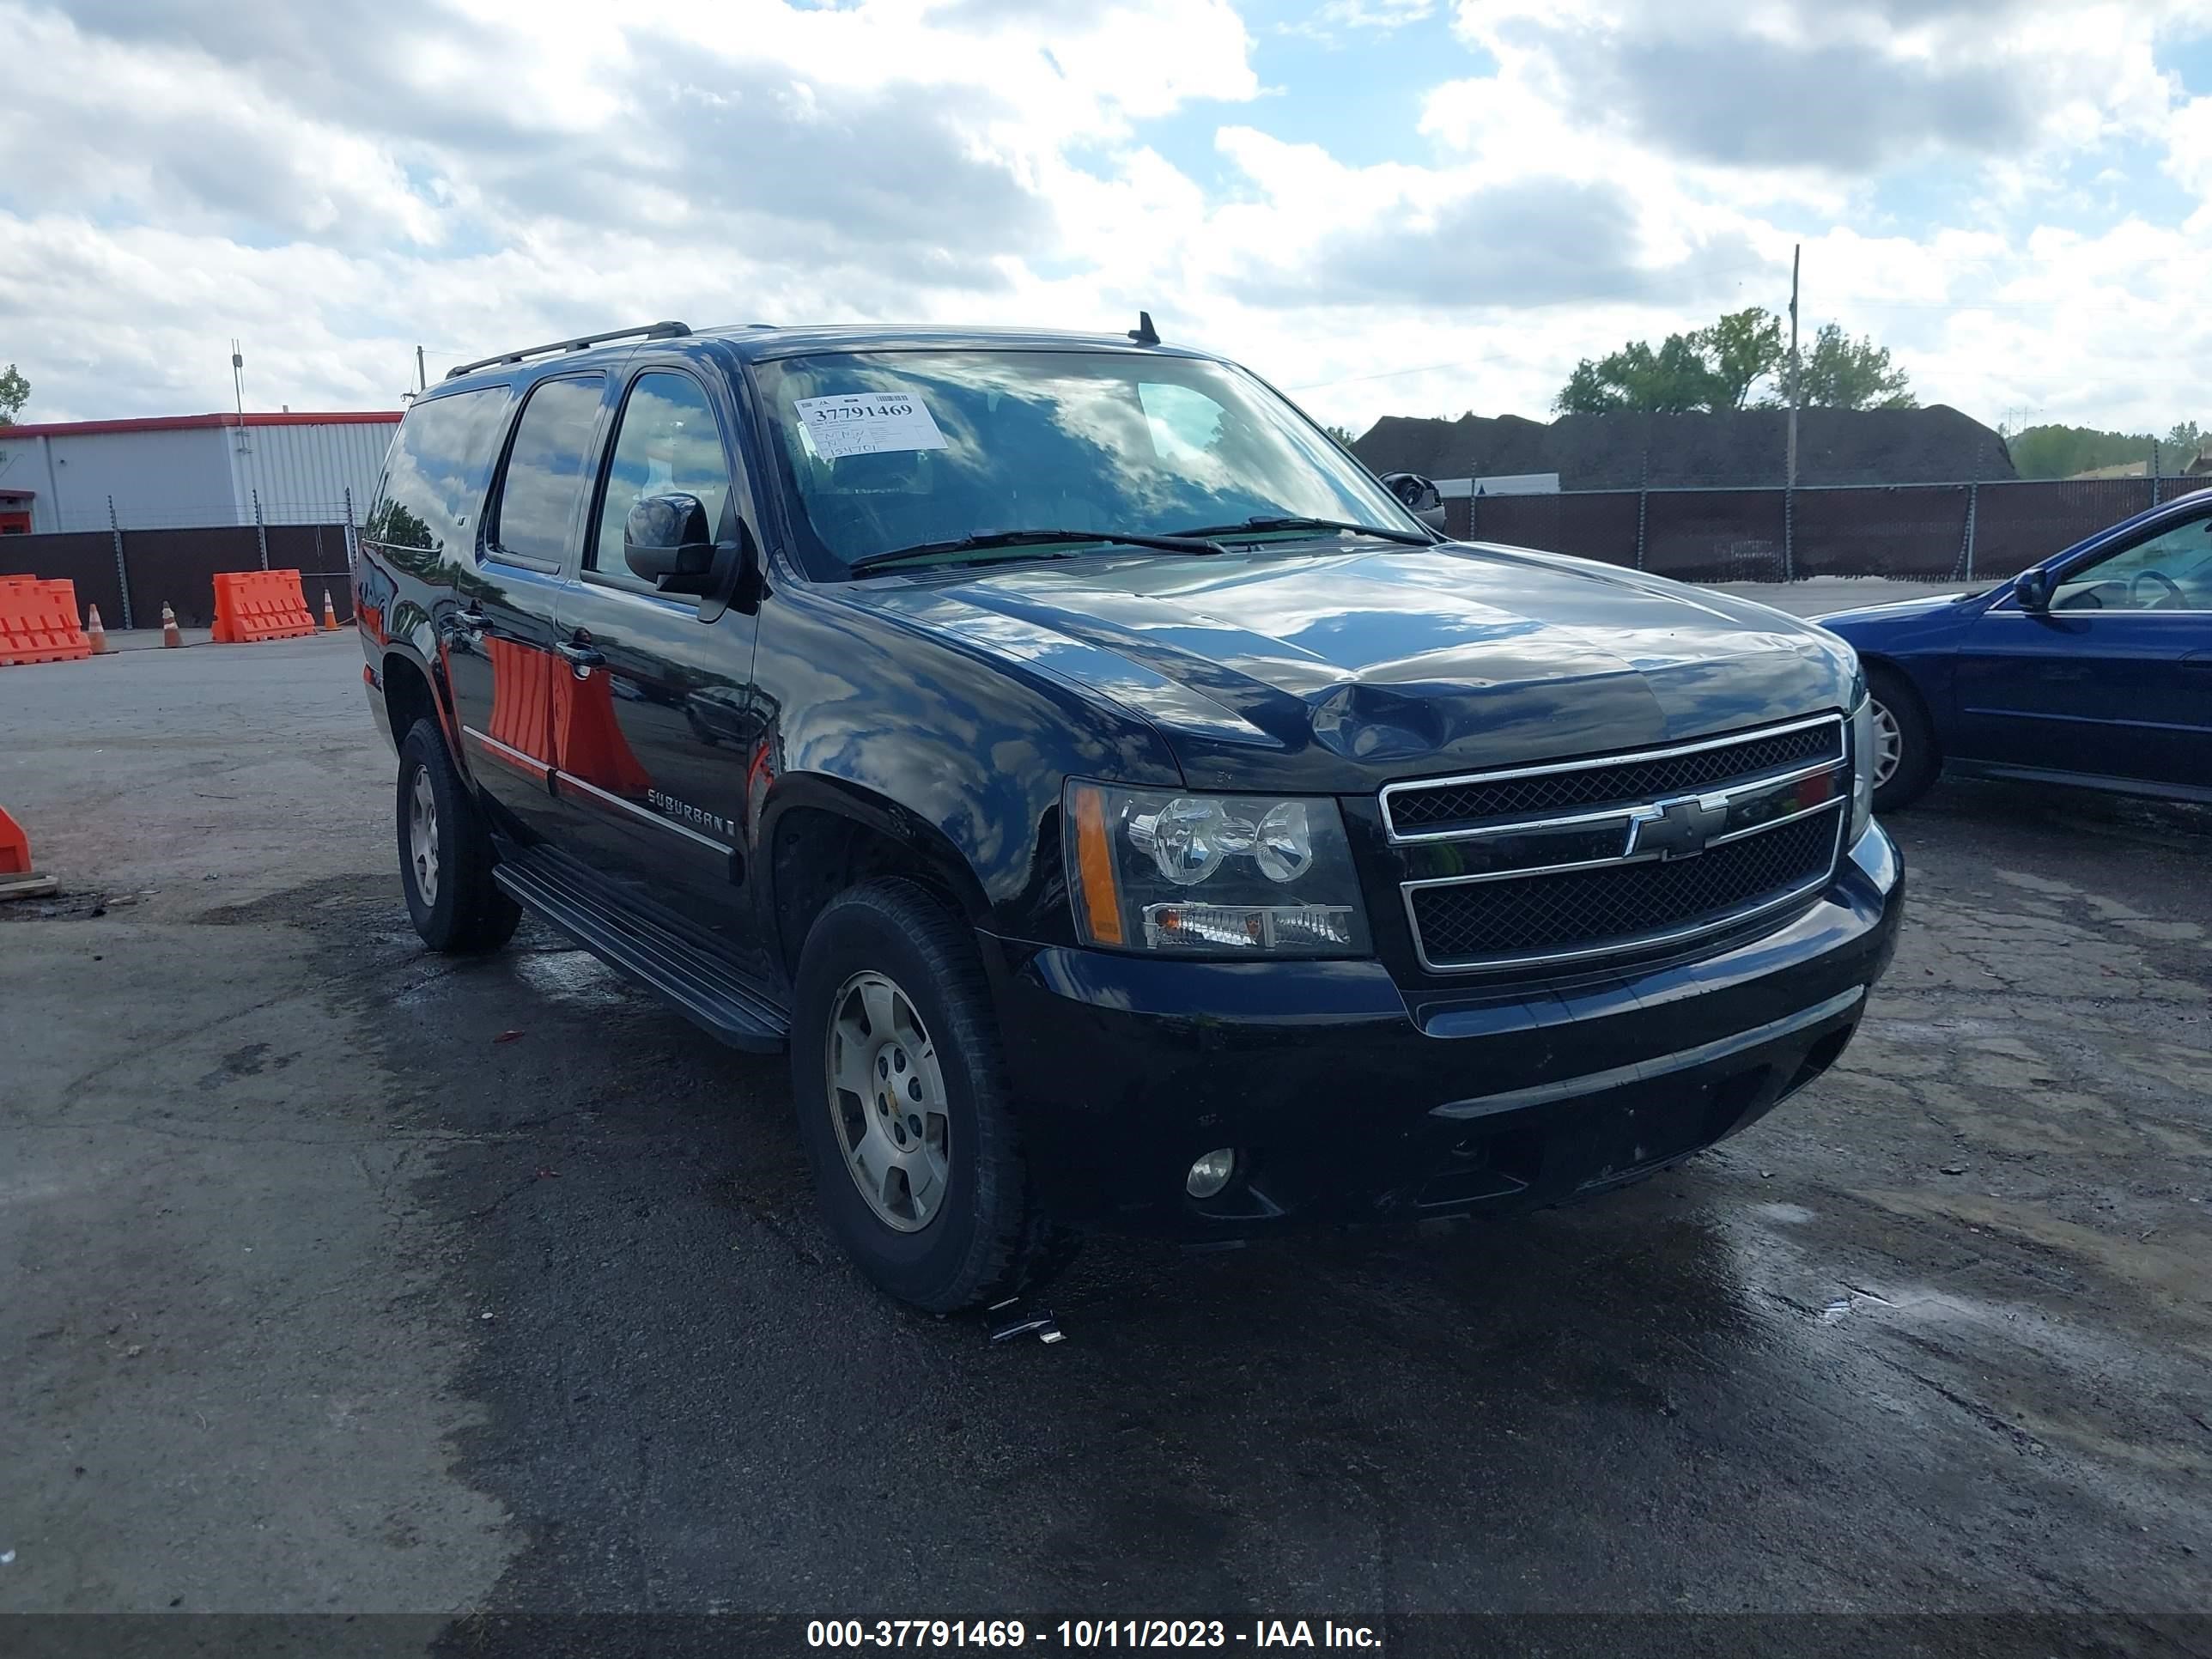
x,y
1419,495
2032,590
667,541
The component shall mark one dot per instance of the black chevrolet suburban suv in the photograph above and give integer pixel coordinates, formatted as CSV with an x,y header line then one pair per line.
x,y
1126,813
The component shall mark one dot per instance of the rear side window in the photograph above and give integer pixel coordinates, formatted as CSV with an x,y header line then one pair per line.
x,y
434,477
546,469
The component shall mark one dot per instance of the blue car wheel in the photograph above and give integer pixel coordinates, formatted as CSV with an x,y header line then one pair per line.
x,y
1905,757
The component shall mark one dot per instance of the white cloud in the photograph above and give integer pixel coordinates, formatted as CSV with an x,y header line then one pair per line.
x,y
1373,13
335,183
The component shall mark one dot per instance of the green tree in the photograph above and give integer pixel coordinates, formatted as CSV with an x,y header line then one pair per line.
x,y
2060,451
15,393
1742,349
1713,368
1341,434
1841,373
1675,379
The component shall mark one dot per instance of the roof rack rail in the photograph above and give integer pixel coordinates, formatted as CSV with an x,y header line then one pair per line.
x,y
581,342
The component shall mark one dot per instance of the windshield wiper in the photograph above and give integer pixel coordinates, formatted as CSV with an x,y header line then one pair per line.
x,y
991,538
1411,539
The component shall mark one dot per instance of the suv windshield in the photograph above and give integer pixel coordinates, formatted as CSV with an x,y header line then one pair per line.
x,y
888,450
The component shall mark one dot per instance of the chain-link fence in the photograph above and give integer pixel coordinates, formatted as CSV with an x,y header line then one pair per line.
x,y
209,513
1941,533
131,573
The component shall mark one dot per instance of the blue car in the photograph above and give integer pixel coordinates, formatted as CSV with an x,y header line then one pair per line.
x,y
2090,669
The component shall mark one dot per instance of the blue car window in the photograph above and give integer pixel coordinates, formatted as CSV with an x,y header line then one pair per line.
x,y
2171,571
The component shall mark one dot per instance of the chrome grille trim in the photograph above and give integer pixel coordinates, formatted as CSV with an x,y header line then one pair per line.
x,y
1624,946
1522,821
1750,792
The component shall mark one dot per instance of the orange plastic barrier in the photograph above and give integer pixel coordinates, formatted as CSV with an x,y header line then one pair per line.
x,y
259,604
39,622
14,847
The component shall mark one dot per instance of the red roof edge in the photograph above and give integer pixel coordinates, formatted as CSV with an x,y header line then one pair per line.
x,y
186,422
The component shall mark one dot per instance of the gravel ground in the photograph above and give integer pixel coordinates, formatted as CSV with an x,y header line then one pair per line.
x,y
342,1278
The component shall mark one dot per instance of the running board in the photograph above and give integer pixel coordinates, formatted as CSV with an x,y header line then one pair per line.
x,y
704,984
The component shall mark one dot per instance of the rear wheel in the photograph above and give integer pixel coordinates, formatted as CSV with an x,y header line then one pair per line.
x,y
1905,757
445,853
903,1105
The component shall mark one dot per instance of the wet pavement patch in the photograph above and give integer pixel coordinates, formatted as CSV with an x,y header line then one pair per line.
x,y
548,1326
1813,1369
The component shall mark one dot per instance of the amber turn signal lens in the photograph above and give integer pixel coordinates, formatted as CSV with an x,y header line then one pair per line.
x,y
1094,866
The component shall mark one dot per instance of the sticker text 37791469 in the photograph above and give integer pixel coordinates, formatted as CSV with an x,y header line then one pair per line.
x,y
868,423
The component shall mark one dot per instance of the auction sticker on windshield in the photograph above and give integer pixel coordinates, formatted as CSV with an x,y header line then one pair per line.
x,y
868,423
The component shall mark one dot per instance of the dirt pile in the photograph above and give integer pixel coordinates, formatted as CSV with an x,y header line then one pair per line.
x,y
1743,448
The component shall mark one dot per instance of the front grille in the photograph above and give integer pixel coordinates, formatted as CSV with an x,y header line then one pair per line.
x,y
1441,807
1620,905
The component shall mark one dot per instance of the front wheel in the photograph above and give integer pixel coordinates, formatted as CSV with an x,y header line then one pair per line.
x,y
445,853
903,1105
1905,761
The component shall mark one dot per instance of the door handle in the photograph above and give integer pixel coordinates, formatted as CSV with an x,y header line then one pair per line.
x,y
581,655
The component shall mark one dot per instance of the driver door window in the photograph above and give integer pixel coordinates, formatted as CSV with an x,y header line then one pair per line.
x,y
2172,571
668,443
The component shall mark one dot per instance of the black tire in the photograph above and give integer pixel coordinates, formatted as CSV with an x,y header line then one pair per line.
x,y
465,913
988,1238
1918,759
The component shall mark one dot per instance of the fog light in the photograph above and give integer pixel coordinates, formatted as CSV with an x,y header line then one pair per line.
x,y
1211,1173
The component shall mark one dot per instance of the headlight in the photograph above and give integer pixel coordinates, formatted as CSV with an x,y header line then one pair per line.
x,y
1862,759
1211,875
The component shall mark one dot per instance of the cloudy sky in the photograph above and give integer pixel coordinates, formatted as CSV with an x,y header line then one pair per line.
x,y
1387,206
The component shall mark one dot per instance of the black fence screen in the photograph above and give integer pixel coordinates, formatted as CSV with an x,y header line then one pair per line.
x,y
1911,532
177,568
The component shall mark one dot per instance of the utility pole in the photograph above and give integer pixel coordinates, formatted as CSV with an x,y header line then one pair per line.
x,y
1790,470
422,374
1790,462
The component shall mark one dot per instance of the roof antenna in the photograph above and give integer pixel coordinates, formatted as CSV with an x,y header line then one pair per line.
x,y
1145,333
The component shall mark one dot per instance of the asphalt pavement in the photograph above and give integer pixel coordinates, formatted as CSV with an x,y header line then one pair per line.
x,y
342,1278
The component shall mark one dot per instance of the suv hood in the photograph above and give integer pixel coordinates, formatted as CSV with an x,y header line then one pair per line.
x,y
1283,667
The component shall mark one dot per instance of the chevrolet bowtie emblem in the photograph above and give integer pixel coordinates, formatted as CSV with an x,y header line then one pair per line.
x,y
1679,828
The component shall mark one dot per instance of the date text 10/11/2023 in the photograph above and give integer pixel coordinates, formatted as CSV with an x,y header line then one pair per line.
x,y
1089,1633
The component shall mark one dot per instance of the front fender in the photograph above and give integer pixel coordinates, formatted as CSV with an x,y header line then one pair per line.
x,y
1921,645
938,744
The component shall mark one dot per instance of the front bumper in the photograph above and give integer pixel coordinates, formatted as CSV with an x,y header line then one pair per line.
x,y
1350,1099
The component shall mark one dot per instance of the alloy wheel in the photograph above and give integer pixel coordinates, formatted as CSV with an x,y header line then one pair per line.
x,y
422,836
887,1102
1888,745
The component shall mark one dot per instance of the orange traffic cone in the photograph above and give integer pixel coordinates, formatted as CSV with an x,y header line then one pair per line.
x,y
95,631
169,636
330,614
17,878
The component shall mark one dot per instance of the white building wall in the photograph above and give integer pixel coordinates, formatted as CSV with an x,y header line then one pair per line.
x,y
157,479
303,472
184,477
